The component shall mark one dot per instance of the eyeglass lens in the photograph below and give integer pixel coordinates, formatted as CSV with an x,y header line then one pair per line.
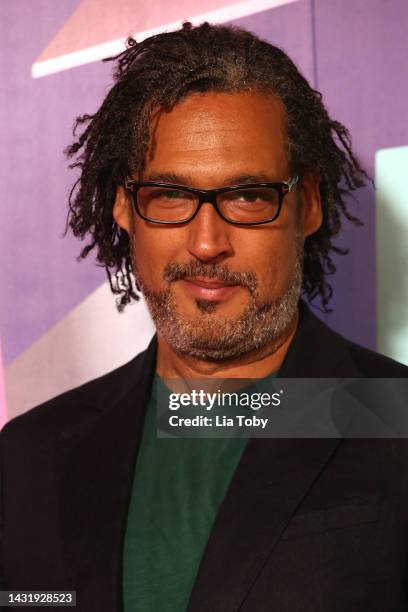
x,y
244,205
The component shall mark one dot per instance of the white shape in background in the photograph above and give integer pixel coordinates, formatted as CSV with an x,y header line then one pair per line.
x,y
91,340
114,47
391,178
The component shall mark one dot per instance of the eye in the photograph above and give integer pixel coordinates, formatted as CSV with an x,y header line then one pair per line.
x,y
245,196
173,194
252,196
163,194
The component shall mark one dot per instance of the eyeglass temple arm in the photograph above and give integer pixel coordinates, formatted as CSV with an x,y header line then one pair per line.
x,y
291,182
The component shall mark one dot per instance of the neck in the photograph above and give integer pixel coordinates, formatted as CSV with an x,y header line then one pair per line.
x,y
256,364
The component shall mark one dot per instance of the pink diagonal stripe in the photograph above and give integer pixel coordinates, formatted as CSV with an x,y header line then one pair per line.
x,y
3,407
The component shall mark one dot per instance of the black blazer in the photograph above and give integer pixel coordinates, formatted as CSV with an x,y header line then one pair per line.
x,y
306,524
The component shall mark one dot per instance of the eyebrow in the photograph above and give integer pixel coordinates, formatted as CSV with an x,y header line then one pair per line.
x,y
185,180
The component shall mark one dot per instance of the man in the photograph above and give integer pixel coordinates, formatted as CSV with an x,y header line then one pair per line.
x,y
213,181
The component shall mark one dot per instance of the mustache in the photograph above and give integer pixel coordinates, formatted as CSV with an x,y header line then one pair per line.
x,y
180,271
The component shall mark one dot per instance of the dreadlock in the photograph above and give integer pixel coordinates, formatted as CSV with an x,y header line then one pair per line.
x,y
158,73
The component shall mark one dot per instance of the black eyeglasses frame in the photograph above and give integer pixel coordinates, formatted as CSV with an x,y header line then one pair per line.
x,y
209,196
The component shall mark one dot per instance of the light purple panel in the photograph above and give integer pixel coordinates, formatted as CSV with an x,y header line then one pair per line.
x,y
40,278
362,51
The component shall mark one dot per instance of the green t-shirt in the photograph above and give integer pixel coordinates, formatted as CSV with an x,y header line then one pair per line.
x,y
179,485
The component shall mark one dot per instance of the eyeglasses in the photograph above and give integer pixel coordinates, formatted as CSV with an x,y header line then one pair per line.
x,y
248,204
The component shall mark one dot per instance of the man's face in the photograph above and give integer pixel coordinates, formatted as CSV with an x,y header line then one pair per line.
x,y
216,290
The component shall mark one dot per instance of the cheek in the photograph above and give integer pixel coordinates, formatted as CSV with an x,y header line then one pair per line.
x,y
153,248
271,254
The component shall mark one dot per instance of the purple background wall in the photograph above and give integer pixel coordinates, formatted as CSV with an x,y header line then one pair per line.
x,y
39,275
353,51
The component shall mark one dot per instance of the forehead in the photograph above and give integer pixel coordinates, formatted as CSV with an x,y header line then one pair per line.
x,y
209,134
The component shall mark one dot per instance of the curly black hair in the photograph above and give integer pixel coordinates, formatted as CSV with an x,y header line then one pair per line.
x,y
158,73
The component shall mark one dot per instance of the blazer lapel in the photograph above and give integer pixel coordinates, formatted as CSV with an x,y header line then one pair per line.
x,y
272,479
97,458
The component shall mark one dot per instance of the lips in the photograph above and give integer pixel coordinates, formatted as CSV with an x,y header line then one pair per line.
x,y
209,289
208,283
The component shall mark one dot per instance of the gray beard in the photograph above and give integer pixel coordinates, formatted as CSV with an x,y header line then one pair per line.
x,y
212,338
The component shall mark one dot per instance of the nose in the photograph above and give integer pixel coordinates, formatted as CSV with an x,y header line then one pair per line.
x,y
209,236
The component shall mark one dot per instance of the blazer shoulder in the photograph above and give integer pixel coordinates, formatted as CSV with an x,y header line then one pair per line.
x,y
375,365
317,351
79,403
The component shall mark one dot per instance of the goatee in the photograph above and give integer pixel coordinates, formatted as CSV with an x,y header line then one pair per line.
x,y
215,338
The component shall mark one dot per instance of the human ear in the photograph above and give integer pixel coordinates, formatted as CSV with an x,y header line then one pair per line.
x,y
121,209
311,213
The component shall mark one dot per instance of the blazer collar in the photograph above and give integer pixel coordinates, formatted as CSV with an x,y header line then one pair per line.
x,y
316,351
